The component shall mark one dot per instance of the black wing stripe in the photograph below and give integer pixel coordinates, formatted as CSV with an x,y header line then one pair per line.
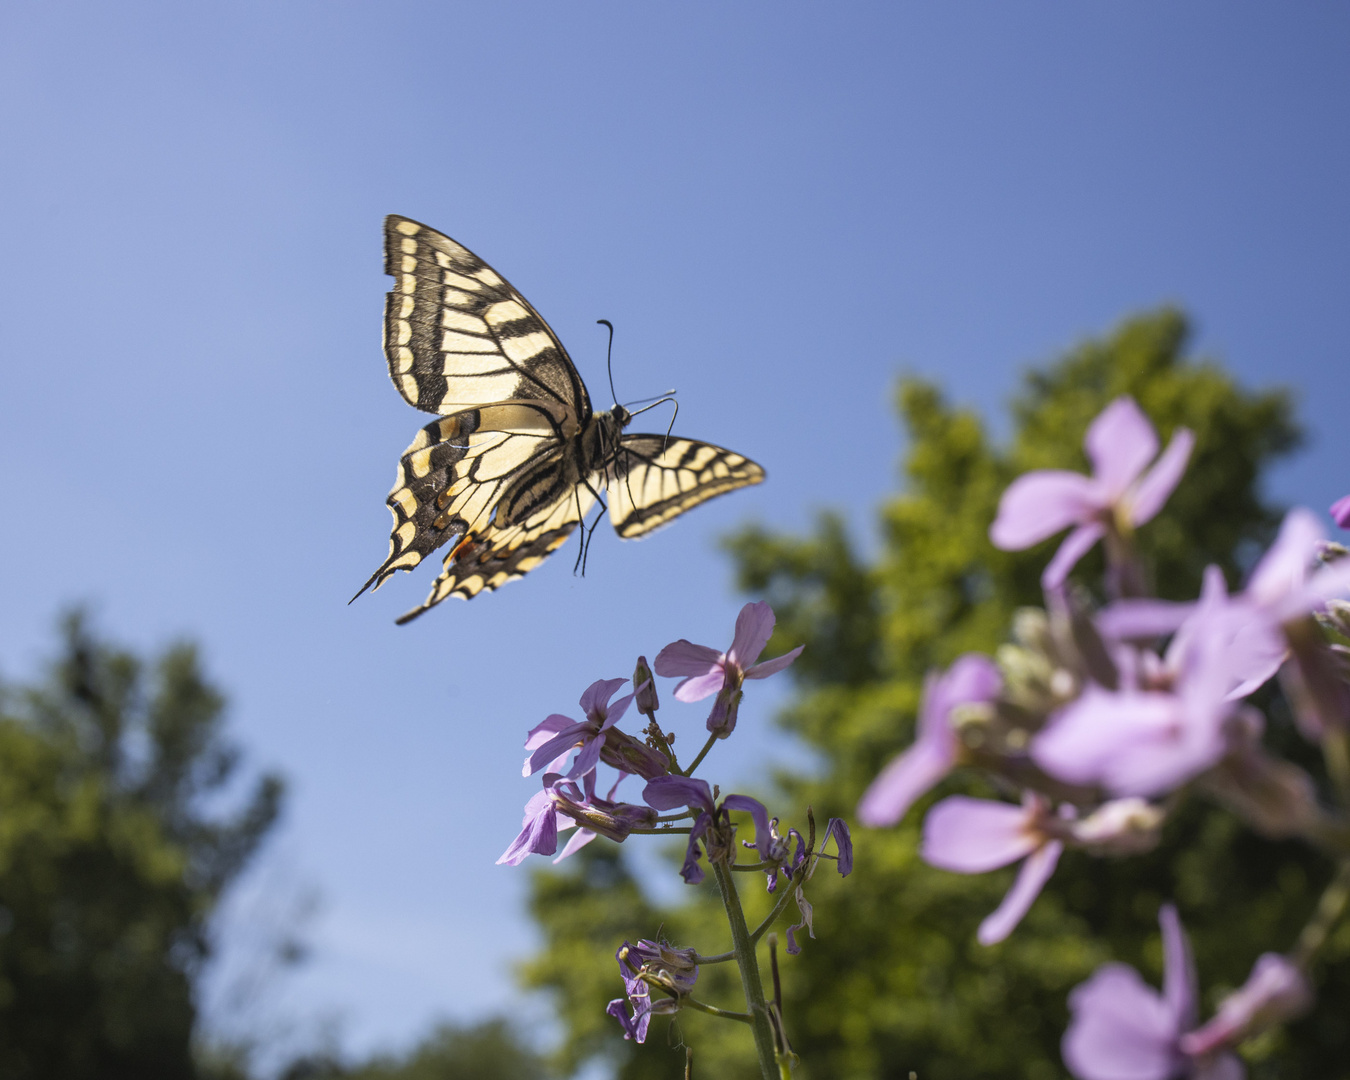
x,y
448,305
656,479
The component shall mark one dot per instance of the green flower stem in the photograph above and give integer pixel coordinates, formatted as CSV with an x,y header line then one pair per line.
x,y
1324,919
719,958
744,948
1336,751
713,1010
701,755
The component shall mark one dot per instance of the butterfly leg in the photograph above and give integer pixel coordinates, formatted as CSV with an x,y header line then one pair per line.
x,y
587,531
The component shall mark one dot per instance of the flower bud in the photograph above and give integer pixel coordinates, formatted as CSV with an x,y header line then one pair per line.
x,y
1128,826
722,719
645,686
627,754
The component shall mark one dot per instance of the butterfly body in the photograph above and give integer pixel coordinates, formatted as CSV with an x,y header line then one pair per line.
x,y
518,455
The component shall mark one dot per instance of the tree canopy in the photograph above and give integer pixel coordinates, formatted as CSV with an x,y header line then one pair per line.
x,y
113,855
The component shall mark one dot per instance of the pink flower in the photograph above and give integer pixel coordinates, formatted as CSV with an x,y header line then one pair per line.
x,y
557,736
1145,741
1340,512
1119,495
974,836
709,672
1122,1029
973,678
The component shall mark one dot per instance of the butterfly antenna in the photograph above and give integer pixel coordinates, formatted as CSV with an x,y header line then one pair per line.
x,y
654,397
609,357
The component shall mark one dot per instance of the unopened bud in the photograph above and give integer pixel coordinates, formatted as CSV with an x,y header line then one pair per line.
x,y
627,754
722,719
645,684
1121,827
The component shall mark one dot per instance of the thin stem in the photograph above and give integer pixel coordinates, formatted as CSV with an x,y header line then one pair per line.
x,y
666,740
741,868
1336,751
744,949
701,755
772,916
719,958
1324,919
664,831
713,1010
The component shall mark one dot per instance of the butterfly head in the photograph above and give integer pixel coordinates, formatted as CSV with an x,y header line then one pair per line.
x,y
622,416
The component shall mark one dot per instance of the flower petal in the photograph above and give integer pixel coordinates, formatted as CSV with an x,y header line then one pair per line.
x,y
1180,985
971,836
843,842
971,678
906,778
774,666
558,746
579,840
1284,567
756,810
672,792
685,658
1077,544
589,757
1132,619
597,696
1340,512
1041,503
1161,480
539,831
754,627
1120,443
1031,879
699,687
1121,1029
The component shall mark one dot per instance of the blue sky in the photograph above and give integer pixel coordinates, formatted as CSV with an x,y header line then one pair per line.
x,y
779,206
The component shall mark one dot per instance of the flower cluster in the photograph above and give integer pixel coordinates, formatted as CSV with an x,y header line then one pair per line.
x,y
569,753
1105,716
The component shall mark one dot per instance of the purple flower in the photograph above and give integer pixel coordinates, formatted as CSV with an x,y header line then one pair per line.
x,y
1340,512
672,792
843,843
1124,1030
972,679
1145,741
562,798
1119,495
707,672
557,735
974,836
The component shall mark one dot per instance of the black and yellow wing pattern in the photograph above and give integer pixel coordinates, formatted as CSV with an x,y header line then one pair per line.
x,y
517,457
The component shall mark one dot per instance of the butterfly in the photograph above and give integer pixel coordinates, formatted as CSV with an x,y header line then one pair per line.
x,y
518,457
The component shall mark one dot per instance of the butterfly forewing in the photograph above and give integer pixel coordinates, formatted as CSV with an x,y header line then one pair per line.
x,y
656,478
456,334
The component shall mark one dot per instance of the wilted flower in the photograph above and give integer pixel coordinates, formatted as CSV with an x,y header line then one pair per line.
x,y
558,735
974,836
539,829
672,792
642,966
709,672
973,678
1118,497
1122,1029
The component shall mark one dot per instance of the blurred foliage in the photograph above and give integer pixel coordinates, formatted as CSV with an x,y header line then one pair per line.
x,y
894,983
490,1050
113,854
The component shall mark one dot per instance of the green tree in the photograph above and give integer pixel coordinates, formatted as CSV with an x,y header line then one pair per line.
x,y
489,1050
111,862
895,982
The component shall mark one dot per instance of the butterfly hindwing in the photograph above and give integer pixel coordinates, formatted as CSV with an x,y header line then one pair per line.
x,y
484,561
452,477
457,335
654,479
